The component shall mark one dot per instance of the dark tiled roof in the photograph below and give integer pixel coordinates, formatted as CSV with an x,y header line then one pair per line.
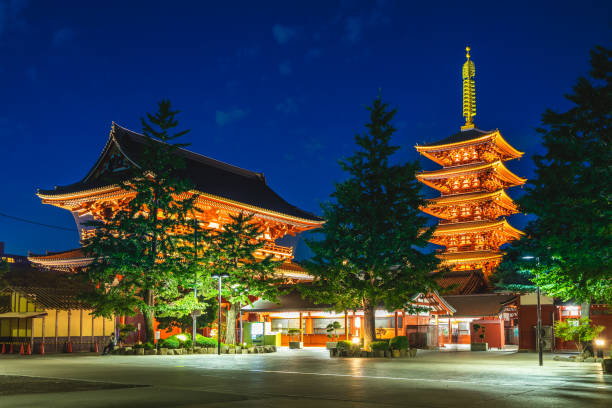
x,y
48,289
479,305
460,137
462,282
291,302
208,175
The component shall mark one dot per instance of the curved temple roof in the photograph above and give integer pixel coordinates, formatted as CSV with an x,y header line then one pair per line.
x,y
210,177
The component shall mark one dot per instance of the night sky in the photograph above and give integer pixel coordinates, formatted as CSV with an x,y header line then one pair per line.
x,y
274,87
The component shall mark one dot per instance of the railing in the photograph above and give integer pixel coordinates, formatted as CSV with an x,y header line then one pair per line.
x,y
272,248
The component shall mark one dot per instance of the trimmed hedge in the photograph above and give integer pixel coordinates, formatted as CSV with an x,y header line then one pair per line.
x,y
379,345
174,342
399,343
343,345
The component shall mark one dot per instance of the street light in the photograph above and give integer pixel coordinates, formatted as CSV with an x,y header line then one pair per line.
x,y
219,276
539,329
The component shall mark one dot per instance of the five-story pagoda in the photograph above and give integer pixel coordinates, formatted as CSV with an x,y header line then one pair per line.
x,y
472,183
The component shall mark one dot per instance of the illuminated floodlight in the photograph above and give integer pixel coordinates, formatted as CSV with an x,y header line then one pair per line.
x,y
600,342
181,337
355,340
528,257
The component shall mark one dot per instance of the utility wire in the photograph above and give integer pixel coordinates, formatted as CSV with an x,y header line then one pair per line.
x,y
12,217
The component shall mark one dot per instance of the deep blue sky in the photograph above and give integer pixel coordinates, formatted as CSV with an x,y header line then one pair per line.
x,y
278,87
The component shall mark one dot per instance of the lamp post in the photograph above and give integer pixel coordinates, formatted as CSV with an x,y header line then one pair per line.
x,y
219,276
194,313
539,329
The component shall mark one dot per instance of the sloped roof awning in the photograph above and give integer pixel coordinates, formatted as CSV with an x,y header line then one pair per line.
x,y
21,315
483,305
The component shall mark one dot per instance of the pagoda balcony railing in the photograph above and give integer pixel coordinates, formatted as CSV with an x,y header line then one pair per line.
x,y
272,248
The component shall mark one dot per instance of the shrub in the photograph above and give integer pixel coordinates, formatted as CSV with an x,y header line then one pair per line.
x,y
207,342
171,343
136,346
343,345
148,346
188,343
379,345
577,330
399,343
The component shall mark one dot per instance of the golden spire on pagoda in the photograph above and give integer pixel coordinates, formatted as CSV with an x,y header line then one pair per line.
x,y
469,92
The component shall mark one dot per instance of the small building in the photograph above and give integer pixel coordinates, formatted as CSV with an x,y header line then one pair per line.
x,y
41,308
497,313
292,311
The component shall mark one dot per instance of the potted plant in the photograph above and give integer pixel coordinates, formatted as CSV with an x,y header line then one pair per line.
x,y
331,333
482,346
379,348
343,348
399,346
295,333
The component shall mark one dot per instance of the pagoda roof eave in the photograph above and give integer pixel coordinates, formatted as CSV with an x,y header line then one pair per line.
x,y
499,195
469,257
497,166
468,138
478,226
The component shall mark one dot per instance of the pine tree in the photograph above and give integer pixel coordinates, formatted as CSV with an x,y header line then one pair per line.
x,y
139,251
233,252
371,251
572,192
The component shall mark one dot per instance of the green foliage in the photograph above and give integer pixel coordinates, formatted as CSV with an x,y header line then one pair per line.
x,y
148,346
207,342
171,343
331,329
232,252
571,193
379,345
188,343
126,329
580,331
399,343
140,241
372,246
185,322
344,345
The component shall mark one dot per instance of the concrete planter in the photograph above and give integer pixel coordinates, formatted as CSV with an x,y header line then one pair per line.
x,y
395,353
403,353
231,351
606,364
150,352
139,351
331,345
163,351
378,353
479,346
296,345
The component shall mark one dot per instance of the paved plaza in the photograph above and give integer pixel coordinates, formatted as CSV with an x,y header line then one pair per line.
x,y
301,378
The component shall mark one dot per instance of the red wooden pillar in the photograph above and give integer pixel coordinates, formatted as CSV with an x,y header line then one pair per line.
x,y
404,322
346,328
301,327
450,339
395,325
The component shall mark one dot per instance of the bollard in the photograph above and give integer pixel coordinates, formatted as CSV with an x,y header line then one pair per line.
x,y
29,352
3,348
42,349
21,350
96,347
11,349
70,347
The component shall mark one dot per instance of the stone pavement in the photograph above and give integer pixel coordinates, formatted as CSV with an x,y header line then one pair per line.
x,y
309,378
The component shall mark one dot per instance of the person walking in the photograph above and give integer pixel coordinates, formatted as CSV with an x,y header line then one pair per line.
x,y
112,342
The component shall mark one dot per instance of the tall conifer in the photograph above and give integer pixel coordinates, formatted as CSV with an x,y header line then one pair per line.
x,y
371,251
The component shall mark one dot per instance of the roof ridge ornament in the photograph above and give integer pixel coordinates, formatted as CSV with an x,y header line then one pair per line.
x,y
469,92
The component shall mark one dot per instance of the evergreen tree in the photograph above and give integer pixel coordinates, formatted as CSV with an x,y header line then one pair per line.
x,y
139,251
572,192
232,250
371,253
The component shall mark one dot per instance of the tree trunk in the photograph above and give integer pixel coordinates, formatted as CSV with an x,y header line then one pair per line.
x,y
149,316
587,346
230,323
369,327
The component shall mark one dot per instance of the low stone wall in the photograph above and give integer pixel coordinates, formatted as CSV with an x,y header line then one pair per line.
x,y
374,354
140,351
